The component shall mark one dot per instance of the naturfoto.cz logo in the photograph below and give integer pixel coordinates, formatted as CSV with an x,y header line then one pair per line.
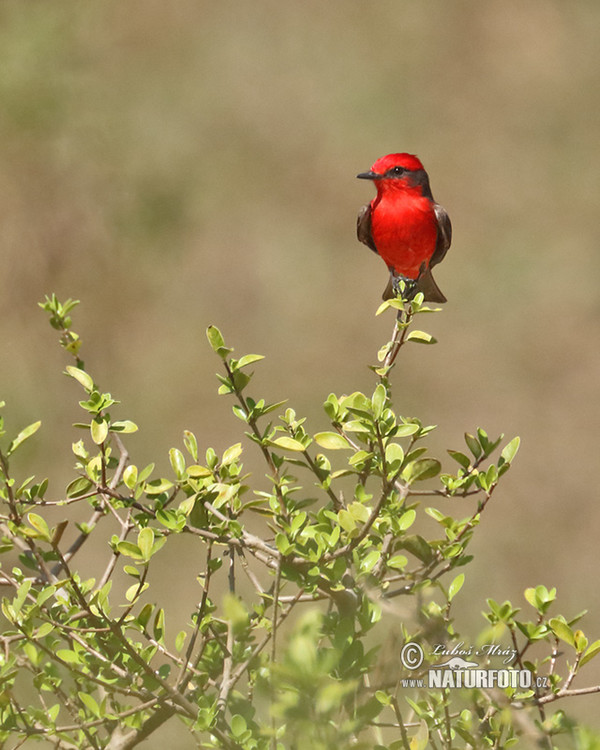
x,y
458,672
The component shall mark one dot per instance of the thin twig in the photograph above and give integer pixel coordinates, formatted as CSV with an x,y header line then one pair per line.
x,y
181,678
228,660
569,693
253,424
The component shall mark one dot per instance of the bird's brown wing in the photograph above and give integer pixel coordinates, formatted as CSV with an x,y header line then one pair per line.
x,y
363,227
444,235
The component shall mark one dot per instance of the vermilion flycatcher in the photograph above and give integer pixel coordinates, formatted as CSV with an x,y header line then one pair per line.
x,y
404,225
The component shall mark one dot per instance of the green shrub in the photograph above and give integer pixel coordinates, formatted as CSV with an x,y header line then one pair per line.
x,y
324,603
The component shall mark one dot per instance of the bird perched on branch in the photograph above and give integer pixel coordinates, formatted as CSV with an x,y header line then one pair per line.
x,y
405,226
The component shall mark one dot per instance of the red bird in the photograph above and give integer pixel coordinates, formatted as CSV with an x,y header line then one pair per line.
x,y
404,225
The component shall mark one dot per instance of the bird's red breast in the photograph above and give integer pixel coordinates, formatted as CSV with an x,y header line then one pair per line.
x,y
404,227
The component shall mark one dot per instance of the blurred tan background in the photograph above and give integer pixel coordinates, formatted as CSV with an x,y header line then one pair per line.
x,y
178,164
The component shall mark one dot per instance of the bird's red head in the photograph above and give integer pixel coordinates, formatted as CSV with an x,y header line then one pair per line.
x,y
407,161
398,172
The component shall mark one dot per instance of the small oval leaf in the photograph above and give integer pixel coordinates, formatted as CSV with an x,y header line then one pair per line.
x,y
289,444
81,377
420,337
99,430
455,586
23,435
332,441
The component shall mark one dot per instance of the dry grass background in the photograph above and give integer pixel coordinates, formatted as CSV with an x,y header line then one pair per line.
x,y
179,164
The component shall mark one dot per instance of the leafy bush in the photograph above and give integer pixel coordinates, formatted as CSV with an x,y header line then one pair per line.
x,y
325,598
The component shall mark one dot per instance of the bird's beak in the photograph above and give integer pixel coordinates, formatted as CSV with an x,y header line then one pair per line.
x,y
369,176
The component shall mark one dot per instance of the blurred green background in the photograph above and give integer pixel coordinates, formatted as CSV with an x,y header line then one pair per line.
x,y
178,164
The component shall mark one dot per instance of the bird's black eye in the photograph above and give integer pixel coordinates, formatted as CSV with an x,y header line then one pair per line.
x,y
396,171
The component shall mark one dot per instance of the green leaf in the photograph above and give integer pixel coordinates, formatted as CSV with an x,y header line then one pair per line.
x,y
531,597
171,519
592,651
346,520
404,430
145,473
135,590
157,487
238,725
455,586
145,542
217,342
40,525
195,471
81,377
359,512
231,454
125,426
356,425
269,408
19,599
282,544
298,522
488,445
240,380
397,303
130,476
394,453
510,451
130,550
249,359
379,401
332,441
235,611
581,641
383,698
398,562
288,444
145,614
460,458
22,436
370,560
360,457
424,468
417,546
45,594
177,462
79,486
540,598
99,430
44,629
473,444
159,625
69,657
191,444
407,519
562,630
420,337
180,640
89,703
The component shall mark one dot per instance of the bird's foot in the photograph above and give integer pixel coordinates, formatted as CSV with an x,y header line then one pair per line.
x,y
404,287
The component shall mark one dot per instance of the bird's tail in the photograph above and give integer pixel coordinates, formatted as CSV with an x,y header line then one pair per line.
x,y
431,291
425,283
